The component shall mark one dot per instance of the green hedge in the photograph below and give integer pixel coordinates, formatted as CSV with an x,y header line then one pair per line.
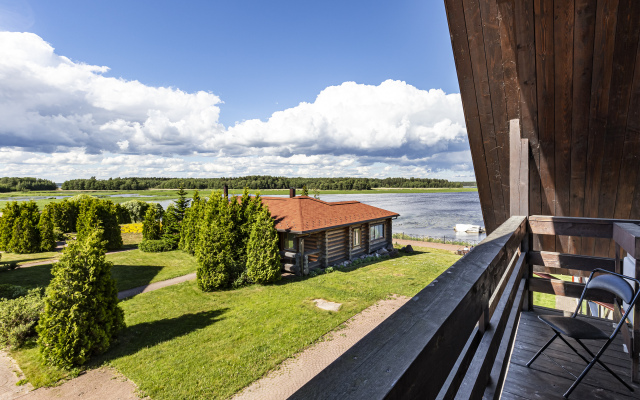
x,y
155,246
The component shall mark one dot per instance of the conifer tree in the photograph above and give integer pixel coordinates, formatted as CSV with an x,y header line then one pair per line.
x,y
99,214
81,314
171,227
263,255
151,228
213,249
10,213
305,191
190,224
25,237
182,203
46,228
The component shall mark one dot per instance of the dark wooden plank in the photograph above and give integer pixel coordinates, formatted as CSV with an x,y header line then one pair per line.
x,y
527,81
390,361
567,289
515,149
474,22
573,228
479,372
606,17
629,181
495,72
583,39
627,235
627,36
506,21
563,21
555,260
459,370
460,46
545,72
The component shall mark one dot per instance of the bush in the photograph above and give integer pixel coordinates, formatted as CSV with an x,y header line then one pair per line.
x,y
81,313
154,246
190,223
171,227
47,231
151,228
10,292
19,317
19,228
263,255
99,214
65,215
136,209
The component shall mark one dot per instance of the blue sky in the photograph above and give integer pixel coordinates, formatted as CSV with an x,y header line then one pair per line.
x,y
364,72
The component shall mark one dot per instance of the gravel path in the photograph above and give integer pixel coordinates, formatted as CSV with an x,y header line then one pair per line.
x,y
299,369
419,243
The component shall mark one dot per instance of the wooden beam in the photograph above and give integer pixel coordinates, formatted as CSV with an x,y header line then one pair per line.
x,y
553,260
519,171
627,235
568,289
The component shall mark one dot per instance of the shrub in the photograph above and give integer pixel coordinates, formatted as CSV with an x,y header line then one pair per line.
x,y
81,313
263,255
19,317
47,231
136,209
99,214
9,291
122,215
20,228
154,246
189,226
171,227
151,228
65,215
213,247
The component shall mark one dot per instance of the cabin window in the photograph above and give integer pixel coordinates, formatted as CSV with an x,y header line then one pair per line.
x,y
290,241
357,237
376,232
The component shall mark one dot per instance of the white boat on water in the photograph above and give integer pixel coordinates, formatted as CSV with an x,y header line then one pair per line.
x,y
468,228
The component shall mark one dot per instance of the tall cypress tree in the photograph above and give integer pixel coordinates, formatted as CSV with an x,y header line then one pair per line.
x,y
46,228
10,213
263,253
182,203
190,224
81,315
99,214
213,249
151,228
171,227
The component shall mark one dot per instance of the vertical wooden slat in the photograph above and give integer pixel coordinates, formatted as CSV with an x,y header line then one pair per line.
x,y
460,46
583,39
544,35
563,25
495,73
507,27
473,20
519,173
606,17
627,35
527,82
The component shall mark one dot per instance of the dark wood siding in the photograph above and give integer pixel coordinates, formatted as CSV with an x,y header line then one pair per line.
x,y
570,71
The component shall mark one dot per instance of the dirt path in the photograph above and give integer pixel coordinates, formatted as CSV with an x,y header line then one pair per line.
x,y
55,260
419,243
299,369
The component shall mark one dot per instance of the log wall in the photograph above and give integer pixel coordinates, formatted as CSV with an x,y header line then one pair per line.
x,y
569,70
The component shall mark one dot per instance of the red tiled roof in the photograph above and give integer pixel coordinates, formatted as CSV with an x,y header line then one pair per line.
x,y
304,213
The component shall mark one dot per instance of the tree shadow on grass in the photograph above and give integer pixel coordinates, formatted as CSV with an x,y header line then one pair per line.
x,y
148,334
29,277
132,276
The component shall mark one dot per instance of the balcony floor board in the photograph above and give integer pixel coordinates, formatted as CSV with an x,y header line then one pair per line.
x,y
546,380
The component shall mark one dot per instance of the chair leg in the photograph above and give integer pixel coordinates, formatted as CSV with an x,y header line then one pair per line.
x,y
577,381
542,349
574,350
597,359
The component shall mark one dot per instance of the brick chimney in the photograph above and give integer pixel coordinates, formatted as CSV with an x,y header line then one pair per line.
x,y
292,192
225,191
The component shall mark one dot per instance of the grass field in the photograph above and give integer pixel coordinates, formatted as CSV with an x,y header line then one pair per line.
x,y
182,343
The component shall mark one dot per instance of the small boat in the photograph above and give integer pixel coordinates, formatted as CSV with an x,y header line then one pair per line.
x,y
468,228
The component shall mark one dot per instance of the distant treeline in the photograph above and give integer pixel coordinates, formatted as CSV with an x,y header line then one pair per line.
x,y
256,182
24,184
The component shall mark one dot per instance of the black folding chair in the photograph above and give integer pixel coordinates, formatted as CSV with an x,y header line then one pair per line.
x,y
579,329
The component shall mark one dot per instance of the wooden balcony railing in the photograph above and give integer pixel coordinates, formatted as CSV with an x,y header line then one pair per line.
x,y
454,338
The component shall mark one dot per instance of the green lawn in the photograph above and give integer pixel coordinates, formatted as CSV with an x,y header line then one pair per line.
x,y
29,258
182,343
131,269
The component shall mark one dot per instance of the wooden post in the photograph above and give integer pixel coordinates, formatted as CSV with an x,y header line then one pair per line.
x,y
390,232
350,242
368,237
518,171
306,265
635,353
527,245
326,249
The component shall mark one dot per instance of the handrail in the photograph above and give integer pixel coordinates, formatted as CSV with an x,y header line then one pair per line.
x,y
412,354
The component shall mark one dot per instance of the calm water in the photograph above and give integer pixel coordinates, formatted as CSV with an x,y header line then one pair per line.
x,y
429,214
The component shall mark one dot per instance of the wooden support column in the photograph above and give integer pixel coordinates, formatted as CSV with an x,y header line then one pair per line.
x,y
326,249
350,242
526,247
390,231
368,237
302,257
519,171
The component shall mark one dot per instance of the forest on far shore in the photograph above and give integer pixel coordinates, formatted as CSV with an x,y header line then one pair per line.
x,y
8,184
256,182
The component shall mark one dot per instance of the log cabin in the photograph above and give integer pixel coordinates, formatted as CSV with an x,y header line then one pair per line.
x,y
317,234
551,98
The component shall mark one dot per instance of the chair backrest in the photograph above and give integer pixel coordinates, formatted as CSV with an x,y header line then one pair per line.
x,y
613,284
